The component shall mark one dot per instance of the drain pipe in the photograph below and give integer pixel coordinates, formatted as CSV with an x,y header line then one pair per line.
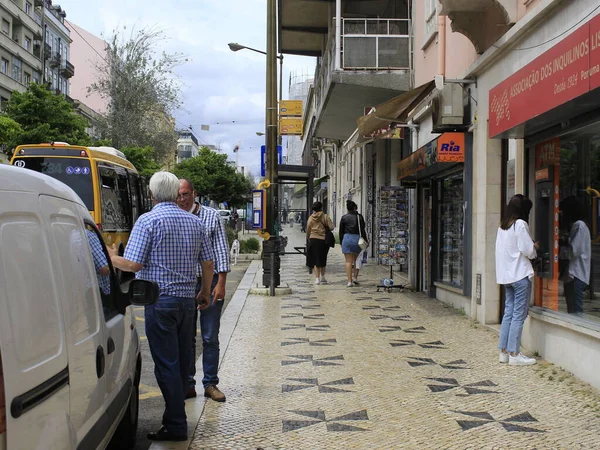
x,y
442,45
338,34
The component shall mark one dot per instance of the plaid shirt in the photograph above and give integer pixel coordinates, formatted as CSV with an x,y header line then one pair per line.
x,y
100,260
169,243
211,219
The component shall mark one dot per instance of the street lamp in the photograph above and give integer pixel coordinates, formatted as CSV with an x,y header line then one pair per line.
x,y
235,47
260,133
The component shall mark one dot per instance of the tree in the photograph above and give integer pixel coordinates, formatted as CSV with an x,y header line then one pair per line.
x,y
143,158
215,178
9,130
42,117
141,90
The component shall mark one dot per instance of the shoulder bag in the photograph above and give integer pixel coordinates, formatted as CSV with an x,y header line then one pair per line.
x,y
362,243
329,237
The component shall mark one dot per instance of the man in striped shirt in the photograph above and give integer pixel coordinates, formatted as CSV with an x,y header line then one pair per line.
x,y
210,318
166,245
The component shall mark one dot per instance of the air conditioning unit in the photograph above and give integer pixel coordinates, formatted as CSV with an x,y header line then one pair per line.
x,y
448,108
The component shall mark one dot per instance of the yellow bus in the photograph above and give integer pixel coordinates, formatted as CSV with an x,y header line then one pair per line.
x,y
106,181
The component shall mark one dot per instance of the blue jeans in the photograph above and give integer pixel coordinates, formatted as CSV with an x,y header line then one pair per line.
x,y
169,329
574,295
516,306
210,323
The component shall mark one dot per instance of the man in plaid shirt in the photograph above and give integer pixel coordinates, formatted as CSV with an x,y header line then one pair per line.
x,y
210,318
165,246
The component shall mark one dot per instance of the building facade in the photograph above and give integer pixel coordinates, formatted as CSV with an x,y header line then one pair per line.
x,y
58,68
187,145
502,98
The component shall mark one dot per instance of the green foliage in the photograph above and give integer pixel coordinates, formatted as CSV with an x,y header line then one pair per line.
x,y
9,130
144,160
42,117
231,236
252,245
213,177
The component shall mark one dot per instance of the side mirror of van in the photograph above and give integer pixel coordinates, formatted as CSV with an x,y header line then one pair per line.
x,y
143,292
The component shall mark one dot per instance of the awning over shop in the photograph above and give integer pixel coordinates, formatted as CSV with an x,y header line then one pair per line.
x,y
394,110
318,181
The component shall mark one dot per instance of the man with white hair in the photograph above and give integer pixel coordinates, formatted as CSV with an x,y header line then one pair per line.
x,y
165,246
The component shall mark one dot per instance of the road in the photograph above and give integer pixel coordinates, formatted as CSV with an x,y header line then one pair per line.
x,y
151,402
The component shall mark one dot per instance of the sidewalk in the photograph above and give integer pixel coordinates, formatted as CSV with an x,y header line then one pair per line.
x,y
331,367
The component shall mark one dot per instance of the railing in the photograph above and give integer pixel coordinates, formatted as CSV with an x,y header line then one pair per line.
x,y
376,44
367,44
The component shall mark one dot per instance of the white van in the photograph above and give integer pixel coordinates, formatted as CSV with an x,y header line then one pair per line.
x,y
70,359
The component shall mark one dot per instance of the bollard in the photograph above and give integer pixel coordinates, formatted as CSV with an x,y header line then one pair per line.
x,y
272,284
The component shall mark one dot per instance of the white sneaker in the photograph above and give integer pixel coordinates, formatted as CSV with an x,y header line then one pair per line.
x,y
504,357
317,281
349,284
520,360
323,280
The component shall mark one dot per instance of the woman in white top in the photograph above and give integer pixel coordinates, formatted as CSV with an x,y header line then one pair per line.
x,y
577,277
514,249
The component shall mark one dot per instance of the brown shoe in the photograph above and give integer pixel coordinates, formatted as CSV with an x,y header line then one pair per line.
x,y
213,392
190,393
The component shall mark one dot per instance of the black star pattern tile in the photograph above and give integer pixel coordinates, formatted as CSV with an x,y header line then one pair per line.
x,y
447,384
327,361
317,343
456,364
362,299
294,306
323,388
405,342
302,316
335,424
413,330
383,316
298,326
510,424
382,308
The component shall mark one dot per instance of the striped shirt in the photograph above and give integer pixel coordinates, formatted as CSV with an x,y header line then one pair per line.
x,y
100,260
169,243
211,219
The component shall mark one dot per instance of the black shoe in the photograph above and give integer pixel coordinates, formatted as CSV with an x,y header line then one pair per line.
x,y
164,435
190,393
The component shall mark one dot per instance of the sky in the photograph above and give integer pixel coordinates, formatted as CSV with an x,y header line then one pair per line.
x,y
220,88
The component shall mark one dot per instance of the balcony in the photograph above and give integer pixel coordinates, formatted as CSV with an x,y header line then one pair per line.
x,y
483,22
20,52
55,59
67,69
373,65
21,17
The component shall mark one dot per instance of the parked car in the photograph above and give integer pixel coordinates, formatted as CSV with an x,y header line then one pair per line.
x,y
70,359
225,216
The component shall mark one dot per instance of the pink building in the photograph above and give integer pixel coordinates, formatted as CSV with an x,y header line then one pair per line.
x,y
87,51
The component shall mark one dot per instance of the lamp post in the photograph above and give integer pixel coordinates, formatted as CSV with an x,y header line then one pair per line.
x,y
235,47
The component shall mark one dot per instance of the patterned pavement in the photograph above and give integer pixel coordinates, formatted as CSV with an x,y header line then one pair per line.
x,y
330,367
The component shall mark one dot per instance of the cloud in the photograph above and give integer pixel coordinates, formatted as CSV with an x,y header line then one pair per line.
x,y
219,87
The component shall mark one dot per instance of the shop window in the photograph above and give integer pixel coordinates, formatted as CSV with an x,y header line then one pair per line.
x,y
451,231
573,284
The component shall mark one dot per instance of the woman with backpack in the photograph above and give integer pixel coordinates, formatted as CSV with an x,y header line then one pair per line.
x,y
317,249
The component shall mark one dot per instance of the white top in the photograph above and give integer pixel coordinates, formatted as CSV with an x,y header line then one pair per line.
x,y
580,254
514,249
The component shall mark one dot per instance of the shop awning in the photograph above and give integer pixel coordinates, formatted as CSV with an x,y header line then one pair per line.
x,y
394,110
318,181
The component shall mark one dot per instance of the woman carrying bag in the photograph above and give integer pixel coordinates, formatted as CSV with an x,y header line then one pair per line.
x,y
353,237
317,228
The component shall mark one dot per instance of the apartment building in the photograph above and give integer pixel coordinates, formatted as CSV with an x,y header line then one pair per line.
x,y
187,145
20,45
34,46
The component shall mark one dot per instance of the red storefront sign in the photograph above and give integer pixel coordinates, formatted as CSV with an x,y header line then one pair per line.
x,y
569,69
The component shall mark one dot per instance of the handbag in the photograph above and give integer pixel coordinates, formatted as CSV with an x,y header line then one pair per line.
x,y
329,237
362,243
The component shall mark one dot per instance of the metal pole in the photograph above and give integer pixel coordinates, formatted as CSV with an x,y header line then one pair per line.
x,y
271,247
272,285
279,137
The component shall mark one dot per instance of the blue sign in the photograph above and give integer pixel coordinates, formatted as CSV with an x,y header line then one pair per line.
x,y
263,156
258,208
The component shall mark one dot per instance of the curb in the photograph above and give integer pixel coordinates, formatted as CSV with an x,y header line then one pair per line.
x,y
229,320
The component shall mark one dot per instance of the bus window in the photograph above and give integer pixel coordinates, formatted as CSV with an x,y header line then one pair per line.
x,y
74,172
114,218
124,198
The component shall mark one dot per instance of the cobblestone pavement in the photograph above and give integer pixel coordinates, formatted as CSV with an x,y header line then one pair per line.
x,y
330,367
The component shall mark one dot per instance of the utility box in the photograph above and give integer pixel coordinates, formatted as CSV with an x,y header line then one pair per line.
x,y
448,108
